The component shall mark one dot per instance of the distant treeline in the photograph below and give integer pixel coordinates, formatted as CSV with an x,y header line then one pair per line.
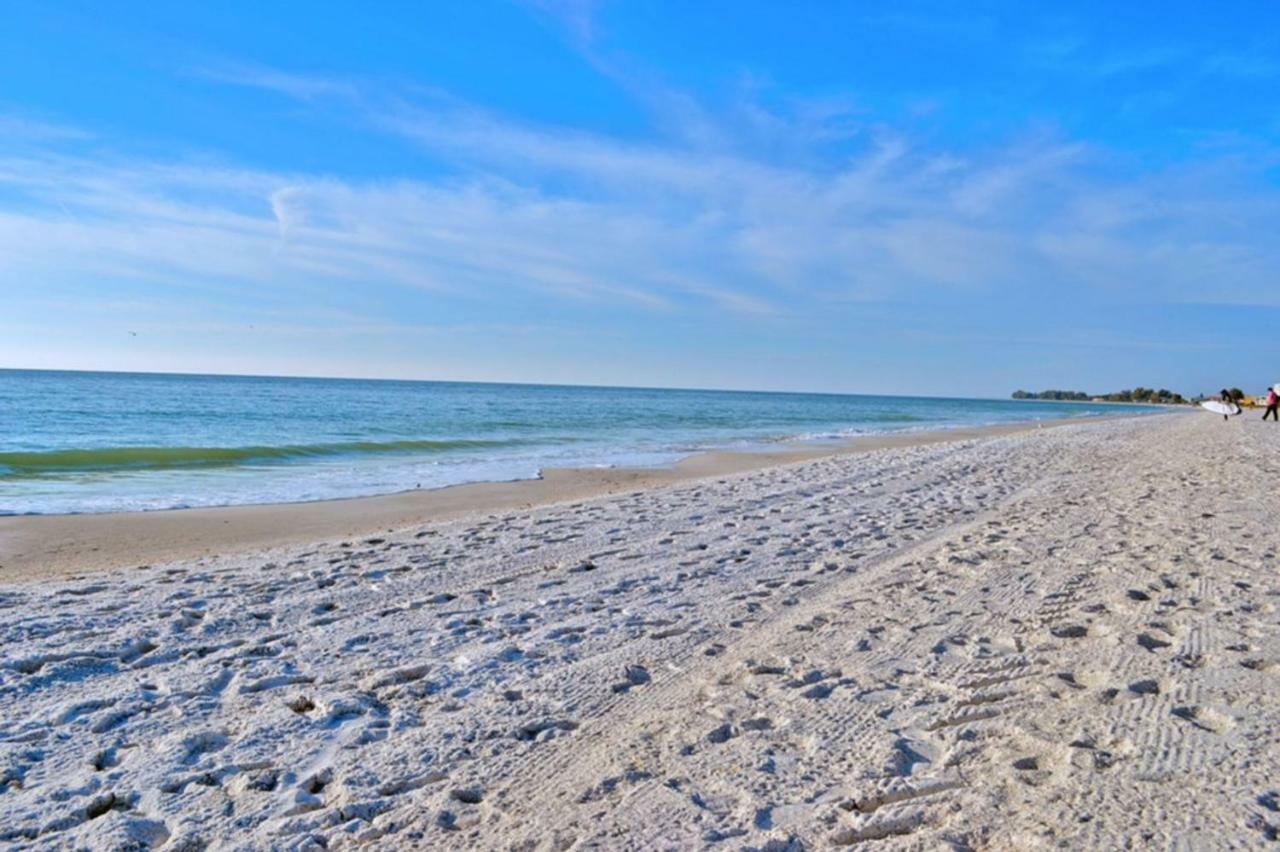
x,y
1139,394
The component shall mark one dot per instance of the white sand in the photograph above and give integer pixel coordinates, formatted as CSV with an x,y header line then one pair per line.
x,y
1065,638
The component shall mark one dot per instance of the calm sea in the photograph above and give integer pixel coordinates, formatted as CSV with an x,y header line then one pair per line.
x,y
96,442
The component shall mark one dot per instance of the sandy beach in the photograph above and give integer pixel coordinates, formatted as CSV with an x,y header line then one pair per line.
x,y
1039,638
42,546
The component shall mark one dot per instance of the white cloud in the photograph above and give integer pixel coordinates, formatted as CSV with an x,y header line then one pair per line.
x,y
577,17
17,128
300,86
564,217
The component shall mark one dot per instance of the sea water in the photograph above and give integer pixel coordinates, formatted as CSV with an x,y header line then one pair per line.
x,y
97,442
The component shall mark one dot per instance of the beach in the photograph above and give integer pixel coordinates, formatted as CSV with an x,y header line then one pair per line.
x,y
1015,638
42,546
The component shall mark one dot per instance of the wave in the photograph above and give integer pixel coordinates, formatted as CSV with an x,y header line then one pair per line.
x,y
107,459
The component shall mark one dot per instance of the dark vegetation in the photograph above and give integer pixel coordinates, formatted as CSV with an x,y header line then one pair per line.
x,y
1138,394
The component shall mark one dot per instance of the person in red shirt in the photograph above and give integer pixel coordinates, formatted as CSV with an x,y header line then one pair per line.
x,y
1273,402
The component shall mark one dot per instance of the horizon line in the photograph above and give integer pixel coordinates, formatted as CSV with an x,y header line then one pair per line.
x,y
518,384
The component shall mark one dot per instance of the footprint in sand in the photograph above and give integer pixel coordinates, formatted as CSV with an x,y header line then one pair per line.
x,y
1205,718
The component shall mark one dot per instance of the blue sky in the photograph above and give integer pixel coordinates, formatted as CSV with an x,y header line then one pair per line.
x,y
936,198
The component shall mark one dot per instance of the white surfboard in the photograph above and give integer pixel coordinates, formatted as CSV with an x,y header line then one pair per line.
x,y
1219,407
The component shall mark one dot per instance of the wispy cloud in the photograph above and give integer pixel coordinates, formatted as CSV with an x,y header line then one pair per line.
x,y
1072,52
301,86
577,17
557,217
25,129
1241,65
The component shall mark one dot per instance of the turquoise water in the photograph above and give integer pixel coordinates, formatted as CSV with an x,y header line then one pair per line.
x,y
95,442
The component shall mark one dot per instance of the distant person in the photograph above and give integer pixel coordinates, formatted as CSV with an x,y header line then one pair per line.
x,y
1273,403
1224,396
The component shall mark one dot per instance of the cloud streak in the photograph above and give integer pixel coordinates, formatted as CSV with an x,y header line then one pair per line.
x,y
558,218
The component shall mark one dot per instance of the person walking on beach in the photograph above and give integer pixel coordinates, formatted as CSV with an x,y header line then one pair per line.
x,y
1225,397
1273,403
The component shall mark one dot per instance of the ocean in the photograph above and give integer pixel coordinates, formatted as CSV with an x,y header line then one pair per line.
x,y
105,442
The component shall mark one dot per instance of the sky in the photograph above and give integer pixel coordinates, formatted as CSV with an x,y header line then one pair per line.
x,y
908,197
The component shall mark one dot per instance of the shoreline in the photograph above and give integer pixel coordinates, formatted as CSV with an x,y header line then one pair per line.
x,y
34,547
